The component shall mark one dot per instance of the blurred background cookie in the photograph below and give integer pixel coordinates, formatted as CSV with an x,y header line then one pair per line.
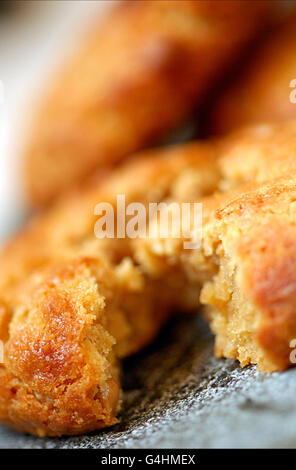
x,y
130,81
264,87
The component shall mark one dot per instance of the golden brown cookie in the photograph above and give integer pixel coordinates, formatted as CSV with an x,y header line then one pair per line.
x,y
133,79
73,305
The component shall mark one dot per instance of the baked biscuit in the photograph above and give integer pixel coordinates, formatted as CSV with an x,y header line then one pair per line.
x,y
134,78
72,305
264,89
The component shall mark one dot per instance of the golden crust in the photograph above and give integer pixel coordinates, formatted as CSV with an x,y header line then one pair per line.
x,y
54,380
271,287
133,79
262,92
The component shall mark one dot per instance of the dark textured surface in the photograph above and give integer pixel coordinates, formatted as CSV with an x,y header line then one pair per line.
x,y
178,395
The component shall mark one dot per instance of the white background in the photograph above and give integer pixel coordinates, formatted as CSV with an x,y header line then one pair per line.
x,y
34,37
